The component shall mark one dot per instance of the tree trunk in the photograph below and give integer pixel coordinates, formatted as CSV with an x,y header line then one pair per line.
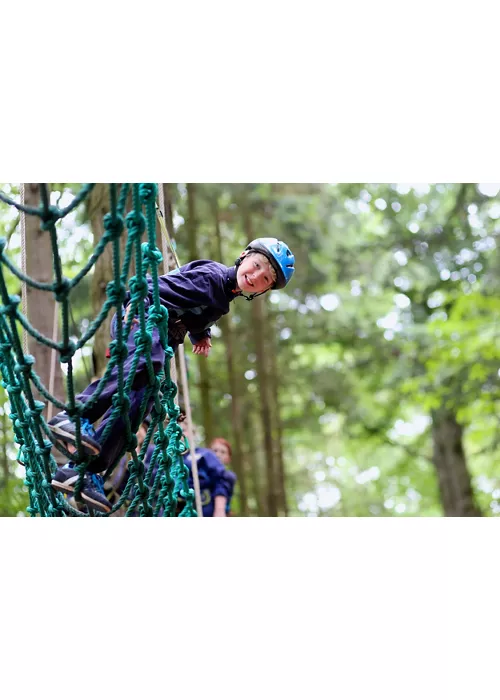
x,y
265,404
41,304
204,373
257,476
238,461
258,322
276,414
449,459
97,208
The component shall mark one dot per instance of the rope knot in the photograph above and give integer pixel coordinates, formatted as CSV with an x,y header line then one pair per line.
x,y
161,440
136,223
25,366
138,288
50,217
148,190
62,289
45,450
113,226
144,342
20,425
159,416
36,411
68,352
151,256
122,402
118,350
116,293
11,307
158,317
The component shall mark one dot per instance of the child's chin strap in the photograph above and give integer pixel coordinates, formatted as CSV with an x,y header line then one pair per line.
x,y
252,296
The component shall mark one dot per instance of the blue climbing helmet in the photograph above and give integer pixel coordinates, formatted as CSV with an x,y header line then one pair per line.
x,y
279,255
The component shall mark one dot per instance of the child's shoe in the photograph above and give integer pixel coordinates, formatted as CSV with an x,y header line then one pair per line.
x,y
92,491
63,428
65,478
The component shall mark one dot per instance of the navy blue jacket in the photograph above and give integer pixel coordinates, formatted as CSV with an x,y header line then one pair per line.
x,y
196,296
215,479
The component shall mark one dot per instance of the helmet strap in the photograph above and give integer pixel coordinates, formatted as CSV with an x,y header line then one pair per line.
x,y
253,296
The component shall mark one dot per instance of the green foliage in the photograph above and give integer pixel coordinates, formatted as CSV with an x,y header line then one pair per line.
x,y
392,314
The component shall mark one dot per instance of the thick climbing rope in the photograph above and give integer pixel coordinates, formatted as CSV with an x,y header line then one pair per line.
x,y
181,357
53,361
152,491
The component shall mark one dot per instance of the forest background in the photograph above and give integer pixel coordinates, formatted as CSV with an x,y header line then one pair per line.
x,y
368,387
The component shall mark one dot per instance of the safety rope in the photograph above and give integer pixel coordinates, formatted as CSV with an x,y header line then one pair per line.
x,y
181,357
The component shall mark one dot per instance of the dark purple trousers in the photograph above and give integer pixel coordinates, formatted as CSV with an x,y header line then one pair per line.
x,y
116,440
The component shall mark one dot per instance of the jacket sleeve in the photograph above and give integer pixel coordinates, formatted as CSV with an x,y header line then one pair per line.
x,y
196,337
222,479
189,288
192,287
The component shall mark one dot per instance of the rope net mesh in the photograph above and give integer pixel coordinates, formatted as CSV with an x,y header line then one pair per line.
x,y
154,490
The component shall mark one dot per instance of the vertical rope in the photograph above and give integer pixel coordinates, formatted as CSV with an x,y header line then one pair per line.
x,y
53,356
166,268
24,288
192,452
184,380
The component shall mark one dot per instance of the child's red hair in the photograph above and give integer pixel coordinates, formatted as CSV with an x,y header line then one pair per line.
x,y
224,442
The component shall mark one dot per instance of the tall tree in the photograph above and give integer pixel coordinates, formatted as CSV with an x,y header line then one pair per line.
x,y
238,460
451,465
277,430
204,372
41,306
97,207
258,321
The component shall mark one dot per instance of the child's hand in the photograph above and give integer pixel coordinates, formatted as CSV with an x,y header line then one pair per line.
x,y
202,347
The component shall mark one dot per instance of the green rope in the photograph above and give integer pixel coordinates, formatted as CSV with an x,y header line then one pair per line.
x,y
143,494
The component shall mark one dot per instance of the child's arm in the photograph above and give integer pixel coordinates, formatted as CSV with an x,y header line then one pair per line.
x,y
222,481
196,284
220,503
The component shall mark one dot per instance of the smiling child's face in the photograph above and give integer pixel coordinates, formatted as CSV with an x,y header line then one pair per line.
x,y
255,274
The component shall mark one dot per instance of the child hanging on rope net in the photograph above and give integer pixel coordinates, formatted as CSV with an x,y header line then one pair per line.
x,y
196,296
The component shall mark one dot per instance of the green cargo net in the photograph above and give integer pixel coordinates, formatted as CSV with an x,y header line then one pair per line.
x,y
152,491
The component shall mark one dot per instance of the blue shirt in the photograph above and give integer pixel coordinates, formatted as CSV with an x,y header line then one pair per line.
x,y
215,479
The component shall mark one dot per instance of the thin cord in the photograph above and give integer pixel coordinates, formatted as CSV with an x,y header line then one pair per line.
x,y
24,287
181,357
